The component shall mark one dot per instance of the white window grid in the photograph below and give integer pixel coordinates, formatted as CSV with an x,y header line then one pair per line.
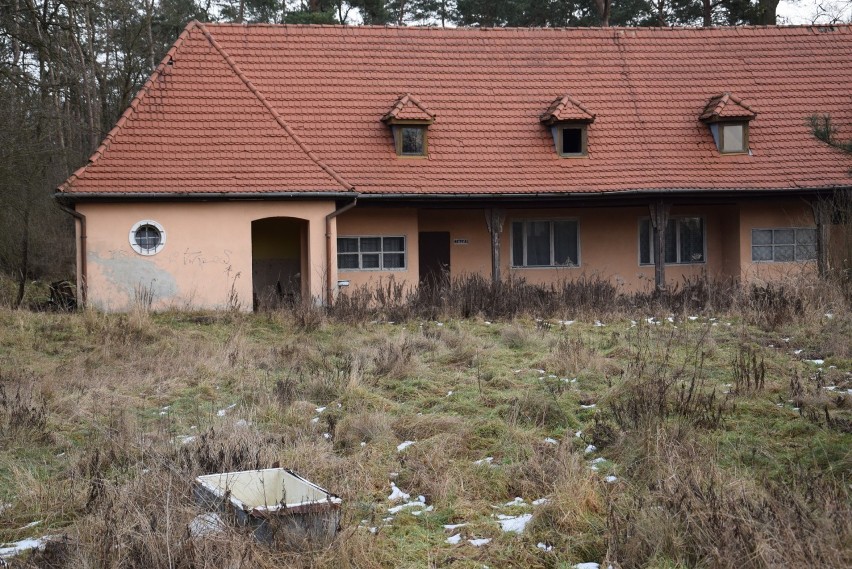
x,y
797,258
381,253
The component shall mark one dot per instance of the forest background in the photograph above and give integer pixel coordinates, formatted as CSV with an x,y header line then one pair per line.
x,y
69,68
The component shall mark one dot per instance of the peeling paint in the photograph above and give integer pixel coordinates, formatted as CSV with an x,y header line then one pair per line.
x,y
129,273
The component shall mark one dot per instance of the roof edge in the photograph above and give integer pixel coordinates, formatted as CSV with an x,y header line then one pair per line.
x,y
275,114
131,108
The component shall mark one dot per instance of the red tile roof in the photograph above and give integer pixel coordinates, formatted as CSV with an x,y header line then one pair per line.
x,y
263,108
408,108
565,108
726,106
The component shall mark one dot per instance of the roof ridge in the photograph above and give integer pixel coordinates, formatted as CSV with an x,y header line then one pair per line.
x,y
134,104
429,28
275,114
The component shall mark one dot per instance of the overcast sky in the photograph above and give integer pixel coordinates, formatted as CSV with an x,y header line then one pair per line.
x,y
814,11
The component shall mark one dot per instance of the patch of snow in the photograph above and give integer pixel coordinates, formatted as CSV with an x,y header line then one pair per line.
x,y
449,393
223,412
486,460
670,319
403,445
797,352
363,444
515,524
551,441
60,455
651,320
320,409
518,501
397,495
428,509
186,439
373,529
693,318
487,323
578,434
451,527
401,507
610,479
206,524
540,501
544,546
599,324
18,547
326,436
598,460
315,420
454,539
592,406
479,542
541,371
816,362
587,566
591,449
830,387
829,315
241,423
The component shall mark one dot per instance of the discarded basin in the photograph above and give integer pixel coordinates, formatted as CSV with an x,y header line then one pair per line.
x,y
273,501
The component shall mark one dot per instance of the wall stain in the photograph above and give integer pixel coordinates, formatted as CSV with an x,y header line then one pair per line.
x,y
130,273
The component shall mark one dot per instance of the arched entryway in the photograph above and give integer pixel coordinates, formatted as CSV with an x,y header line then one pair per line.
x,y
278,255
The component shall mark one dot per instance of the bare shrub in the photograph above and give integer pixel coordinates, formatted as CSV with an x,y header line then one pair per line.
x,y
657,386
358,428
695,513
749,372
535,409
393,357
23,413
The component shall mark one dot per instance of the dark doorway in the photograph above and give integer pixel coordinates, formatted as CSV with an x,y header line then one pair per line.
x,y
434,257
277,245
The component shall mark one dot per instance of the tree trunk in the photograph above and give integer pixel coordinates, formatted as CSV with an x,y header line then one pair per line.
x,y
604,7
708,13
768,10
24,267
659,220
494,219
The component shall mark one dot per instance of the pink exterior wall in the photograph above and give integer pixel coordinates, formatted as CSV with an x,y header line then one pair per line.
x,y
386,222
207,252
772,215
209,247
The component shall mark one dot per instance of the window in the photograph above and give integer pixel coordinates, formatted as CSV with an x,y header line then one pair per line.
x,y
684,241
783,245
545,243
370,253
147,237
571,140
410,140
733,138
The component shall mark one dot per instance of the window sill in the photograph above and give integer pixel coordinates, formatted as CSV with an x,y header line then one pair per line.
x,y
402,270
783,262
548,267
696,263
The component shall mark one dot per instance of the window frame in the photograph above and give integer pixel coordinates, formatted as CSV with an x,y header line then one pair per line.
x,y
131,237
721,134
381,253
397,139
677,219
551,221
584,139
794,244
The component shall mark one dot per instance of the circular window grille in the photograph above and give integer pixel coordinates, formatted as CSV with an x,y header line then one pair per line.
x,y
147,237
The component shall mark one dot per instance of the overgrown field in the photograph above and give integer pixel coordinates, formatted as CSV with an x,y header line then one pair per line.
x,y
638,437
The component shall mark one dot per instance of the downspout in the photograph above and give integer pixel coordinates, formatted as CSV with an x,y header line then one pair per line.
x,y
81,247
329,281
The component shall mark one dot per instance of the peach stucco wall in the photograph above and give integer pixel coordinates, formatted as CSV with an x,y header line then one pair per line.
x,y
361,222
208,251
774,214
209,247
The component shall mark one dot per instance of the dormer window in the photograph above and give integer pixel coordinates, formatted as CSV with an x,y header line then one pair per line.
x,y
571,140
728,118
569,123
410,140
409,121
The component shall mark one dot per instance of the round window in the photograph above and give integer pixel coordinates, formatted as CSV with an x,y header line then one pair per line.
x,y
147,237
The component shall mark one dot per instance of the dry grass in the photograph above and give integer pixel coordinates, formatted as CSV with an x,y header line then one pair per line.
x,y
106,419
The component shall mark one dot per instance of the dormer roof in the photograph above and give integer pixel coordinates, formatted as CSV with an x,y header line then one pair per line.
x,y
409,109
726,106
567,109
